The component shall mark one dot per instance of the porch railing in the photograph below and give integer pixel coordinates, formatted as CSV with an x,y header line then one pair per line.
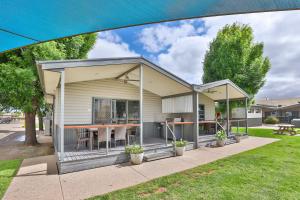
x,y
218,124
173,135
238,124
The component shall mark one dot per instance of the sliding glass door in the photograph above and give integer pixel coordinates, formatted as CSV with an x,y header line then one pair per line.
x,y
133,112
117,111
101,111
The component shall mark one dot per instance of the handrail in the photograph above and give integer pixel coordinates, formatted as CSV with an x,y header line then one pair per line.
x,y
174,137
218,123
238,120
100,126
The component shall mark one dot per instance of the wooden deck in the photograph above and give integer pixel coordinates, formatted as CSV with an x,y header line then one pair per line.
x,y
84,153
85,159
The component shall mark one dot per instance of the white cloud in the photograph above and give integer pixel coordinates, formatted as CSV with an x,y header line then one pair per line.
x,y
159,37
110,45
184,58
184,50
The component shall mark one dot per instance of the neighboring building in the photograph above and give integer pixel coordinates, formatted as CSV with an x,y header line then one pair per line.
x,y
96,100
254,115
284,109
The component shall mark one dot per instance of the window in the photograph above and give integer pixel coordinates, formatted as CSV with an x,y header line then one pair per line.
x,y
101,111
115,111
288,114
133,111
257,110
201,112
119,111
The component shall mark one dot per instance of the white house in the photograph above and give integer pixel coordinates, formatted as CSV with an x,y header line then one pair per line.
x,y
107,103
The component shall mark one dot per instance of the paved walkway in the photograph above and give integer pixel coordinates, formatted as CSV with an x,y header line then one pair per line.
x,y
38,178
8,129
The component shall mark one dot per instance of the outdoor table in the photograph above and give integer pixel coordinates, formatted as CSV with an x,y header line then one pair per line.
x,y
96,126
286,128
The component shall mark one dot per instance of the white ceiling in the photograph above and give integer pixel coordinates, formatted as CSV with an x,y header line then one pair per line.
x,y
219,92
154,81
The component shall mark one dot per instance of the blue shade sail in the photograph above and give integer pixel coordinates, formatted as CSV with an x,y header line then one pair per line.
x,y
25,22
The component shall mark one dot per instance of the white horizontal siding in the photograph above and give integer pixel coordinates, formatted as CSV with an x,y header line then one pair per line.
x,y
79,95
209,106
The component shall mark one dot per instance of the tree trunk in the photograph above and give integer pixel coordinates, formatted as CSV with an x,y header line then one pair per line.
x,y
41,124
30,132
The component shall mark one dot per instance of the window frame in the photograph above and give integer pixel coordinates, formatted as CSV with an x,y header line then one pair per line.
x,y
111,107
201,119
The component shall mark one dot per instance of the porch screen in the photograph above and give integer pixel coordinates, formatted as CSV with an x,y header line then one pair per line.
x,y
181,104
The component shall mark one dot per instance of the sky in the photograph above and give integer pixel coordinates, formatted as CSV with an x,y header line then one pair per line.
x,y
180,46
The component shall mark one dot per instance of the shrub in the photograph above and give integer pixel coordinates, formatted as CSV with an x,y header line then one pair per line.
x,y
221,135
181,143
271,120
134,149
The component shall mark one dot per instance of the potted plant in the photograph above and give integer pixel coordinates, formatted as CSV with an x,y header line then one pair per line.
x,y
221,138
136,154
180,147
237,137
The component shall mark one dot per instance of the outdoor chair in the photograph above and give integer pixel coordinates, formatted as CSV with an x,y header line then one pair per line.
x,y
102,136
83,137
120,135
131,135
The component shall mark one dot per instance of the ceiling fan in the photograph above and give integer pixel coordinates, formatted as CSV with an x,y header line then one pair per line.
x,y
127,79
210,91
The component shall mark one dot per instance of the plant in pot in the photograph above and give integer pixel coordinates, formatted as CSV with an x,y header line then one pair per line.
x,y
221,138
136,154
180,147
237,137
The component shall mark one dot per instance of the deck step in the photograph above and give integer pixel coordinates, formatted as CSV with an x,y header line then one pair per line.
x,y
158,155
230,141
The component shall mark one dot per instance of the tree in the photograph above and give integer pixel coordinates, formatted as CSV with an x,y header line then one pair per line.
x,y
19,83
234,55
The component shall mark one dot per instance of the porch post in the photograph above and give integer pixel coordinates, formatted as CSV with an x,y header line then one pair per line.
x,y
141,104
246,114
62,110
227,109
195,118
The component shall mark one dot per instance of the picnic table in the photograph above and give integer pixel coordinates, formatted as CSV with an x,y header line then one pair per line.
x,y
285,128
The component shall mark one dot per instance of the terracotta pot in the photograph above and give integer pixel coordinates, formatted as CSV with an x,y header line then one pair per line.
x,y
220,143
136,159
179,151
237,138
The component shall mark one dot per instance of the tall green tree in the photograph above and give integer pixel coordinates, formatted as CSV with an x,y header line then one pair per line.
x,y
19,83
234,55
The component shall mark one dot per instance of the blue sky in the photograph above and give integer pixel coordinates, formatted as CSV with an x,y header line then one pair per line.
x,y
131,36
180,47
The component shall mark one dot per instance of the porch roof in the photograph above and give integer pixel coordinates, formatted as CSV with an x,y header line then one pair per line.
x,y
217,90
156,79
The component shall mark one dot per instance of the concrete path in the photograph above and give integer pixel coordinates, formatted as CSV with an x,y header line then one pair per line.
x,y
12,137
38,178
8,129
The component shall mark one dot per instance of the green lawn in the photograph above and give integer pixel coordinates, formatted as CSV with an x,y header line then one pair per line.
x,y
269,172
8,169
